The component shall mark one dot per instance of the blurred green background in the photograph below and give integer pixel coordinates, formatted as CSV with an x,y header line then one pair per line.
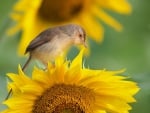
x,y
128,49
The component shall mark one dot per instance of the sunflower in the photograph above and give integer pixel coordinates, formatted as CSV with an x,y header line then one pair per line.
x,y
69,87
34,16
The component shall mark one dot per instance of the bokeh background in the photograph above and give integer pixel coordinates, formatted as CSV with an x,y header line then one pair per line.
x,y
129,49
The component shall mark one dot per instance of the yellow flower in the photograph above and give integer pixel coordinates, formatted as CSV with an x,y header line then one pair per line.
x,y
34,16
70,87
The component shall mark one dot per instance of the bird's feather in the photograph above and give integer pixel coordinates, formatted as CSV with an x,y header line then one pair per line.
x,y
41,39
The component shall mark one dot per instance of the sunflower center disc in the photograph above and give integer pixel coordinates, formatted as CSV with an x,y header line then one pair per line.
x,y
60,10
63,98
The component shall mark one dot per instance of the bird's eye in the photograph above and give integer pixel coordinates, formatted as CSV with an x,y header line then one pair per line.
x,y
80,35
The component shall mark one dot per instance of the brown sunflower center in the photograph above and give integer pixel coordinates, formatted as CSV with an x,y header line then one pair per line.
x,y
60,10
63,98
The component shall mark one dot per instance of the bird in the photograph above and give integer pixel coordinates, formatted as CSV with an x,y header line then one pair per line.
x,y
52,42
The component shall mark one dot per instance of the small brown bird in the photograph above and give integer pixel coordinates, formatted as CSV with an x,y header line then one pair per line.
x,y
54,41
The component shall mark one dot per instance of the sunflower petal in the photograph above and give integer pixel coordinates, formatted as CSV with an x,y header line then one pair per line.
x,y
106,18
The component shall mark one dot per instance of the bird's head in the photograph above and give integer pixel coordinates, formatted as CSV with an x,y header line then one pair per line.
x,y
77,33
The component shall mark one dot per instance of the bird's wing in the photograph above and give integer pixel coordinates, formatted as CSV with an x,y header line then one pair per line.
x,y
42,38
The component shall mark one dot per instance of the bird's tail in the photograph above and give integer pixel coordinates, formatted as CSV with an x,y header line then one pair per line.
x,y
26,64
23,69
9,93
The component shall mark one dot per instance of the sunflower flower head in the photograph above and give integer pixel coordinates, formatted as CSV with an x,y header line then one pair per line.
x,y
69,87
34,16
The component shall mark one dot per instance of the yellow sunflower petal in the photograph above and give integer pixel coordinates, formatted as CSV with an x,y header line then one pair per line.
x,y
101,111
89,22
14,103
106,18
120,6
77,62
17,27
71,86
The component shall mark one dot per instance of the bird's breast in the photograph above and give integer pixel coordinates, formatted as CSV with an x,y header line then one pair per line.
x,y
50,50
